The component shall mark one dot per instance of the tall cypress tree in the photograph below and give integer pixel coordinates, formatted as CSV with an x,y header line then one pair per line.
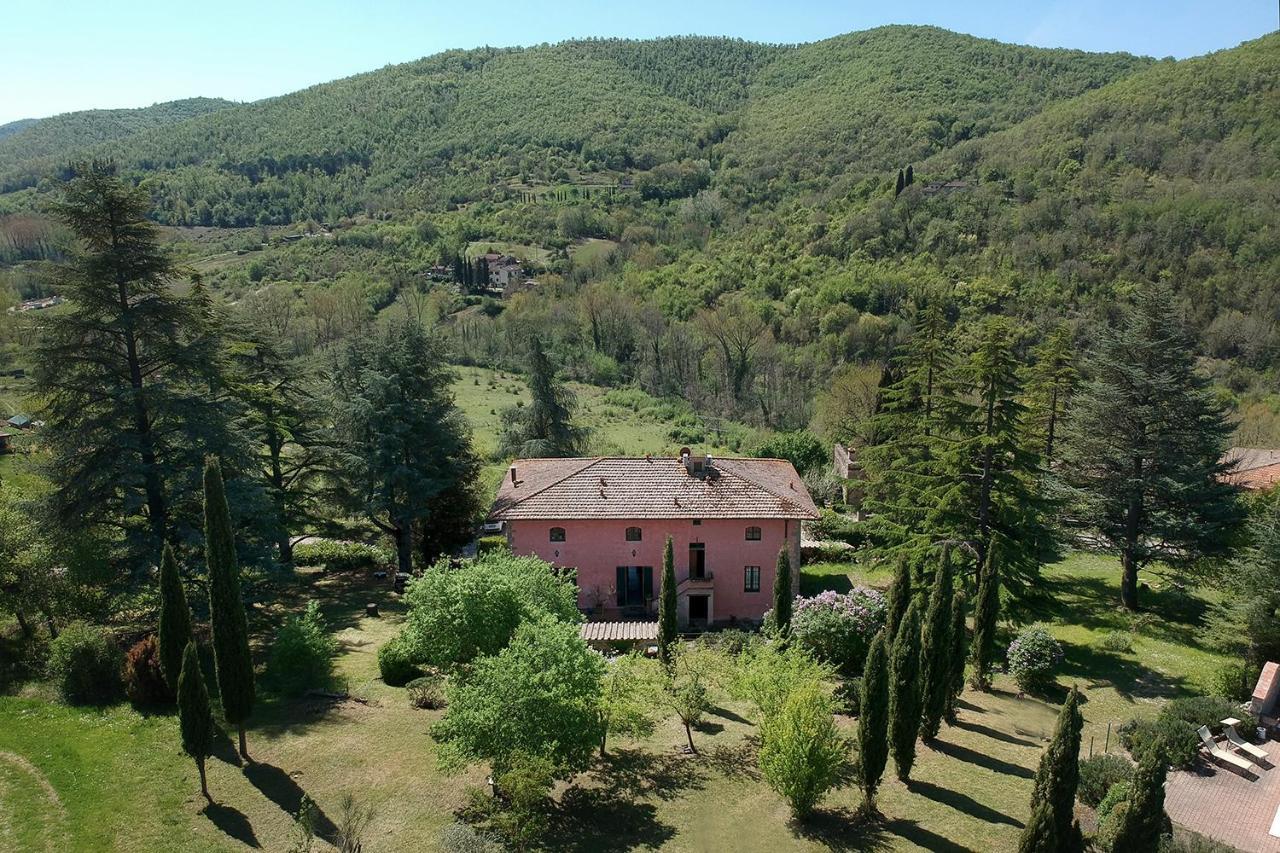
x,y
986,615
174,631
782,593
1142,822
873,720
667,605
1143,449
1055,787
195,718
959,654
936,651
901,185
226,607
899,598
911,175
904,692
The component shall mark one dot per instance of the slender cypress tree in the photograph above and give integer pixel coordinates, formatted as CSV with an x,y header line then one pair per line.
x,y
174,631
1055,786
904,692
782,593
1143,821
226,607
935,651
986,613
959,654
873,720
901,185
667,605
910,177
899,598
194,714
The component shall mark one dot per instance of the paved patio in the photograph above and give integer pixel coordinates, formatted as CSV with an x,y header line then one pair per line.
x,y
1223,805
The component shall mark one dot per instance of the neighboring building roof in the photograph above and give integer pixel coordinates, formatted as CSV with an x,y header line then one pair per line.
x,y
1252,467
19,420
618,632
651,487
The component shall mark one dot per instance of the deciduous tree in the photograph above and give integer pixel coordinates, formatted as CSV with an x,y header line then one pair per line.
x,y
801,752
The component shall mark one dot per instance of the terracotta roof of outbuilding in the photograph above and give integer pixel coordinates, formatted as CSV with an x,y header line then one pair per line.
x,y
610,632
656,487
1252,467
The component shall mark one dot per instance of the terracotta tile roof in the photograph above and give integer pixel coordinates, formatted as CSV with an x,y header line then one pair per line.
x,y
1252,467
608,632
656,487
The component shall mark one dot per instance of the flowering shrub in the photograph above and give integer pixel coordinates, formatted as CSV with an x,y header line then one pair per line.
x,y
1032,657
838,628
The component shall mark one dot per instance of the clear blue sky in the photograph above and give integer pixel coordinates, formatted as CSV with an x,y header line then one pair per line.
x,y
62,55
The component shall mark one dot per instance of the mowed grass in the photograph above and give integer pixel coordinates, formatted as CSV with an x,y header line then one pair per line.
x,y
114,779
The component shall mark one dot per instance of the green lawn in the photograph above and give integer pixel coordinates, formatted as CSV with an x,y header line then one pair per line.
x,y
114,779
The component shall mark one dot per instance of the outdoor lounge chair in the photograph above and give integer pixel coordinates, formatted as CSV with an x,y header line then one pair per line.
x,y
1220,755
1254,753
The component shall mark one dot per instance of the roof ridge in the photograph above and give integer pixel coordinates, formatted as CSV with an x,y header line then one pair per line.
x,y
590,460
786,499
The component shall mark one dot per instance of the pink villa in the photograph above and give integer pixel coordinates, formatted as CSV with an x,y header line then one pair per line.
x,y
609,518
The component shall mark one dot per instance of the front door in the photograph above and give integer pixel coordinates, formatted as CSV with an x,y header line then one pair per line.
x,y
698,609
697,560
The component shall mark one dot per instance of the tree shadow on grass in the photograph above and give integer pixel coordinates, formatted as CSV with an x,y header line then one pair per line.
x,y
233,823
281,788
1095,667
963,753
843,830
589,820
726,714
961,802
224,749
921,837
994,734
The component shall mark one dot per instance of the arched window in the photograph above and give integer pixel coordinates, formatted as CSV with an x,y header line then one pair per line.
x,y
557,534
633,534
753,534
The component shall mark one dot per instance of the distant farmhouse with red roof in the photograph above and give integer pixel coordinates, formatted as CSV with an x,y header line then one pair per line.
x,y
1252,468
609,519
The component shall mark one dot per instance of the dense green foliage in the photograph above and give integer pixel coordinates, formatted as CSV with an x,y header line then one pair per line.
x,y
539,696
84,663
801,752
1054,794
1033,655
459,614
303,652
230,627
174,630
195,716
873,719
1098,773
341,556
905,697
838,628
1143,822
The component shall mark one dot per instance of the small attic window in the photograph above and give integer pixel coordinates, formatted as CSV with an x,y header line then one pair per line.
x,y
697,522
633,534
557,534
753,534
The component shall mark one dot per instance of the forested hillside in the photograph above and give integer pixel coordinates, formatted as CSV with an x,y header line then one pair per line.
x,y
721,220
468,125
29,149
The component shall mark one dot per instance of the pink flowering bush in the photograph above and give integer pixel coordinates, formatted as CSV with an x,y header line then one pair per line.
x,y
838,628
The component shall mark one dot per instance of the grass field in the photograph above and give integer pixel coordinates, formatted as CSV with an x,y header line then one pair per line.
x,y
114,779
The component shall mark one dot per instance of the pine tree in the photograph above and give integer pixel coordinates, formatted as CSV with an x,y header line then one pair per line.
x,y
936,651
1144,446
545,427
899,598
667,605
986,615
174,631
126,427
195,717
901,185
782,593
1055,786
1143,821
231,656
902,466
904,692
988,478
1048,385
873,719
959,654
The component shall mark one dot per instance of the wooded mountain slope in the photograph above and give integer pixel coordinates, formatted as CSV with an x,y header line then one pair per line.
x,y
467,125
